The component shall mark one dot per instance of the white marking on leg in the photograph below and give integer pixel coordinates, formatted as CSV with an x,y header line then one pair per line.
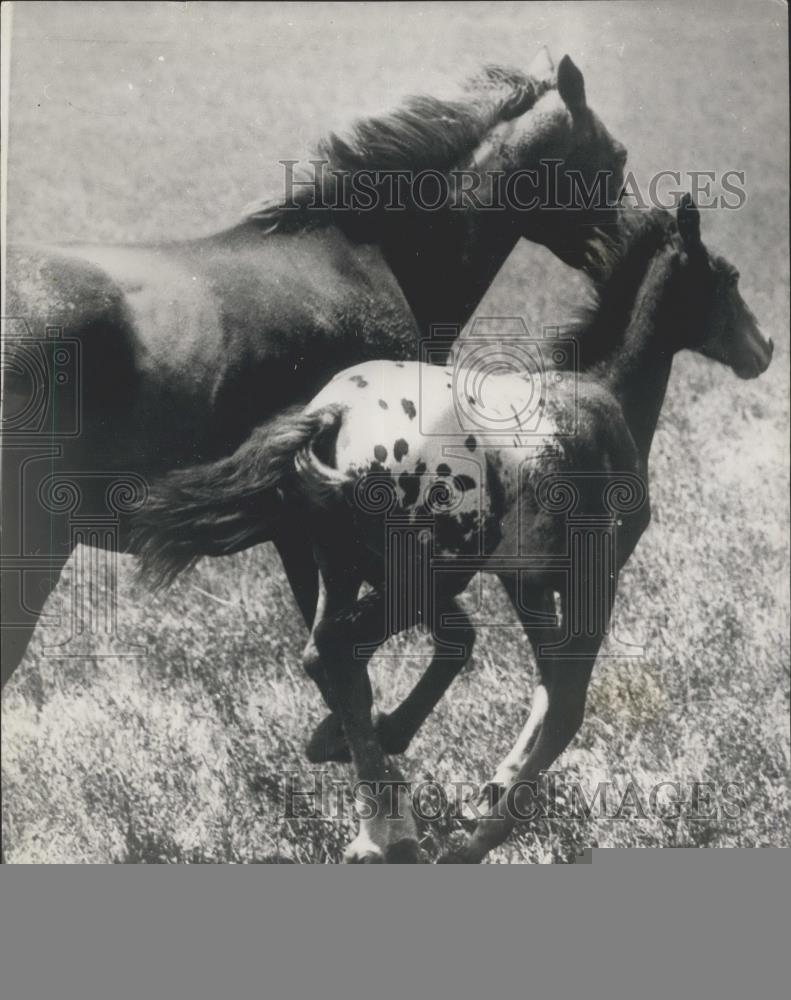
x,y
509,769
363,849
508,772
558,601
392,822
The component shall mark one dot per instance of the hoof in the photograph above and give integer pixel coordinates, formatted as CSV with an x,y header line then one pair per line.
x,y
362,852
366,858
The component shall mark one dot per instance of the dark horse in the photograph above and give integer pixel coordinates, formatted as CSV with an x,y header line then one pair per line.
x,y
394,488
123,363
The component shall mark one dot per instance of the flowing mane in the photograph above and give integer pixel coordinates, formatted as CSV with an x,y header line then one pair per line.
x,y
423,133
616,264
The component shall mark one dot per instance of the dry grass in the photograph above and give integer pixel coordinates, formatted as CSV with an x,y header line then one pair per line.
x,y
167,127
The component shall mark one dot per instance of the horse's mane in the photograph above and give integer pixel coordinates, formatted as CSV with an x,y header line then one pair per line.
x,y
616,264
424,133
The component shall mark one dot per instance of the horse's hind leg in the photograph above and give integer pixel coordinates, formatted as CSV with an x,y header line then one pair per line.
x,y
333,597
296,552
24,593
29,572
34,548
387,828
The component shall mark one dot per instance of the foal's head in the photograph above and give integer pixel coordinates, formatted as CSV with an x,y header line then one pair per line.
x,y
714,319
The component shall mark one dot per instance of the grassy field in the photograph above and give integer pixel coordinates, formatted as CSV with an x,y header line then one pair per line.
x,y
140,121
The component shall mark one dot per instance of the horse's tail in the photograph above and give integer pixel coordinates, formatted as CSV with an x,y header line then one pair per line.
x,y
228,505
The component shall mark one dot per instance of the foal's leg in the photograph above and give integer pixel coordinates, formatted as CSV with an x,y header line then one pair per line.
x,y
396,730
295,549
538,617
336,592
557,714
387,828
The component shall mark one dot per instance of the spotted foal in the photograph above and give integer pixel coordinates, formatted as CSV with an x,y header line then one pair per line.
x,y
408,498
397,491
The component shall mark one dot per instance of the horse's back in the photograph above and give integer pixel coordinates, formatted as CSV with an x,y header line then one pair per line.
x,y
53,295
134,307
185,346
118,334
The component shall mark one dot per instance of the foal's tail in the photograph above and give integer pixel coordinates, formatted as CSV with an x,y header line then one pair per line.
x,y
230,504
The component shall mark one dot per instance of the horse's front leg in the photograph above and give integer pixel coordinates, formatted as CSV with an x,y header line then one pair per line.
x,y
558,709
565,661
387,832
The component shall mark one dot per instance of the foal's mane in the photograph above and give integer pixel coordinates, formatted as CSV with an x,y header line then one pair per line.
x,y
423,133
616,265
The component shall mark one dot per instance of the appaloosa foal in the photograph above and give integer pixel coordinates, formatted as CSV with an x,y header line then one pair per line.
x,y
396,492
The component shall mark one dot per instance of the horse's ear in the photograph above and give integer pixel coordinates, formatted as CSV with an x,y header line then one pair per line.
x,y
688,219
571,86
541,67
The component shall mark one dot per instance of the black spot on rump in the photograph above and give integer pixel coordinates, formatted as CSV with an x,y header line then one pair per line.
x,y
443,469
400,448
409,408
358,380
380,453
410,485
383,404
471,443
411,482
464,482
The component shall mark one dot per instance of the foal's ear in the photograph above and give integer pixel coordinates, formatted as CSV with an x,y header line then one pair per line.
x,y
688,219
541,67
571,86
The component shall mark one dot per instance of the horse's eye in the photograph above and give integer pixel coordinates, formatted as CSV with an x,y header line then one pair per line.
x,y
733,279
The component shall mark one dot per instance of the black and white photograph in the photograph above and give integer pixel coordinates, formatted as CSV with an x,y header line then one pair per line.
x,y
395,431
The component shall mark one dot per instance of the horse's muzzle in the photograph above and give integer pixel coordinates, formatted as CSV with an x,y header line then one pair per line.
x,y
757,358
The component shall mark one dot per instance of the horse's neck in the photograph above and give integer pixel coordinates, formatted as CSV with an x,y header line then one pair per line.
x,y
638,371
446,261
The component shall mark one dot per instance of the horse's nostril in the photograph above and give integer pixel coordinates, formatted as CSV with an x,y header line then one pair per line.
x,y
771,346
